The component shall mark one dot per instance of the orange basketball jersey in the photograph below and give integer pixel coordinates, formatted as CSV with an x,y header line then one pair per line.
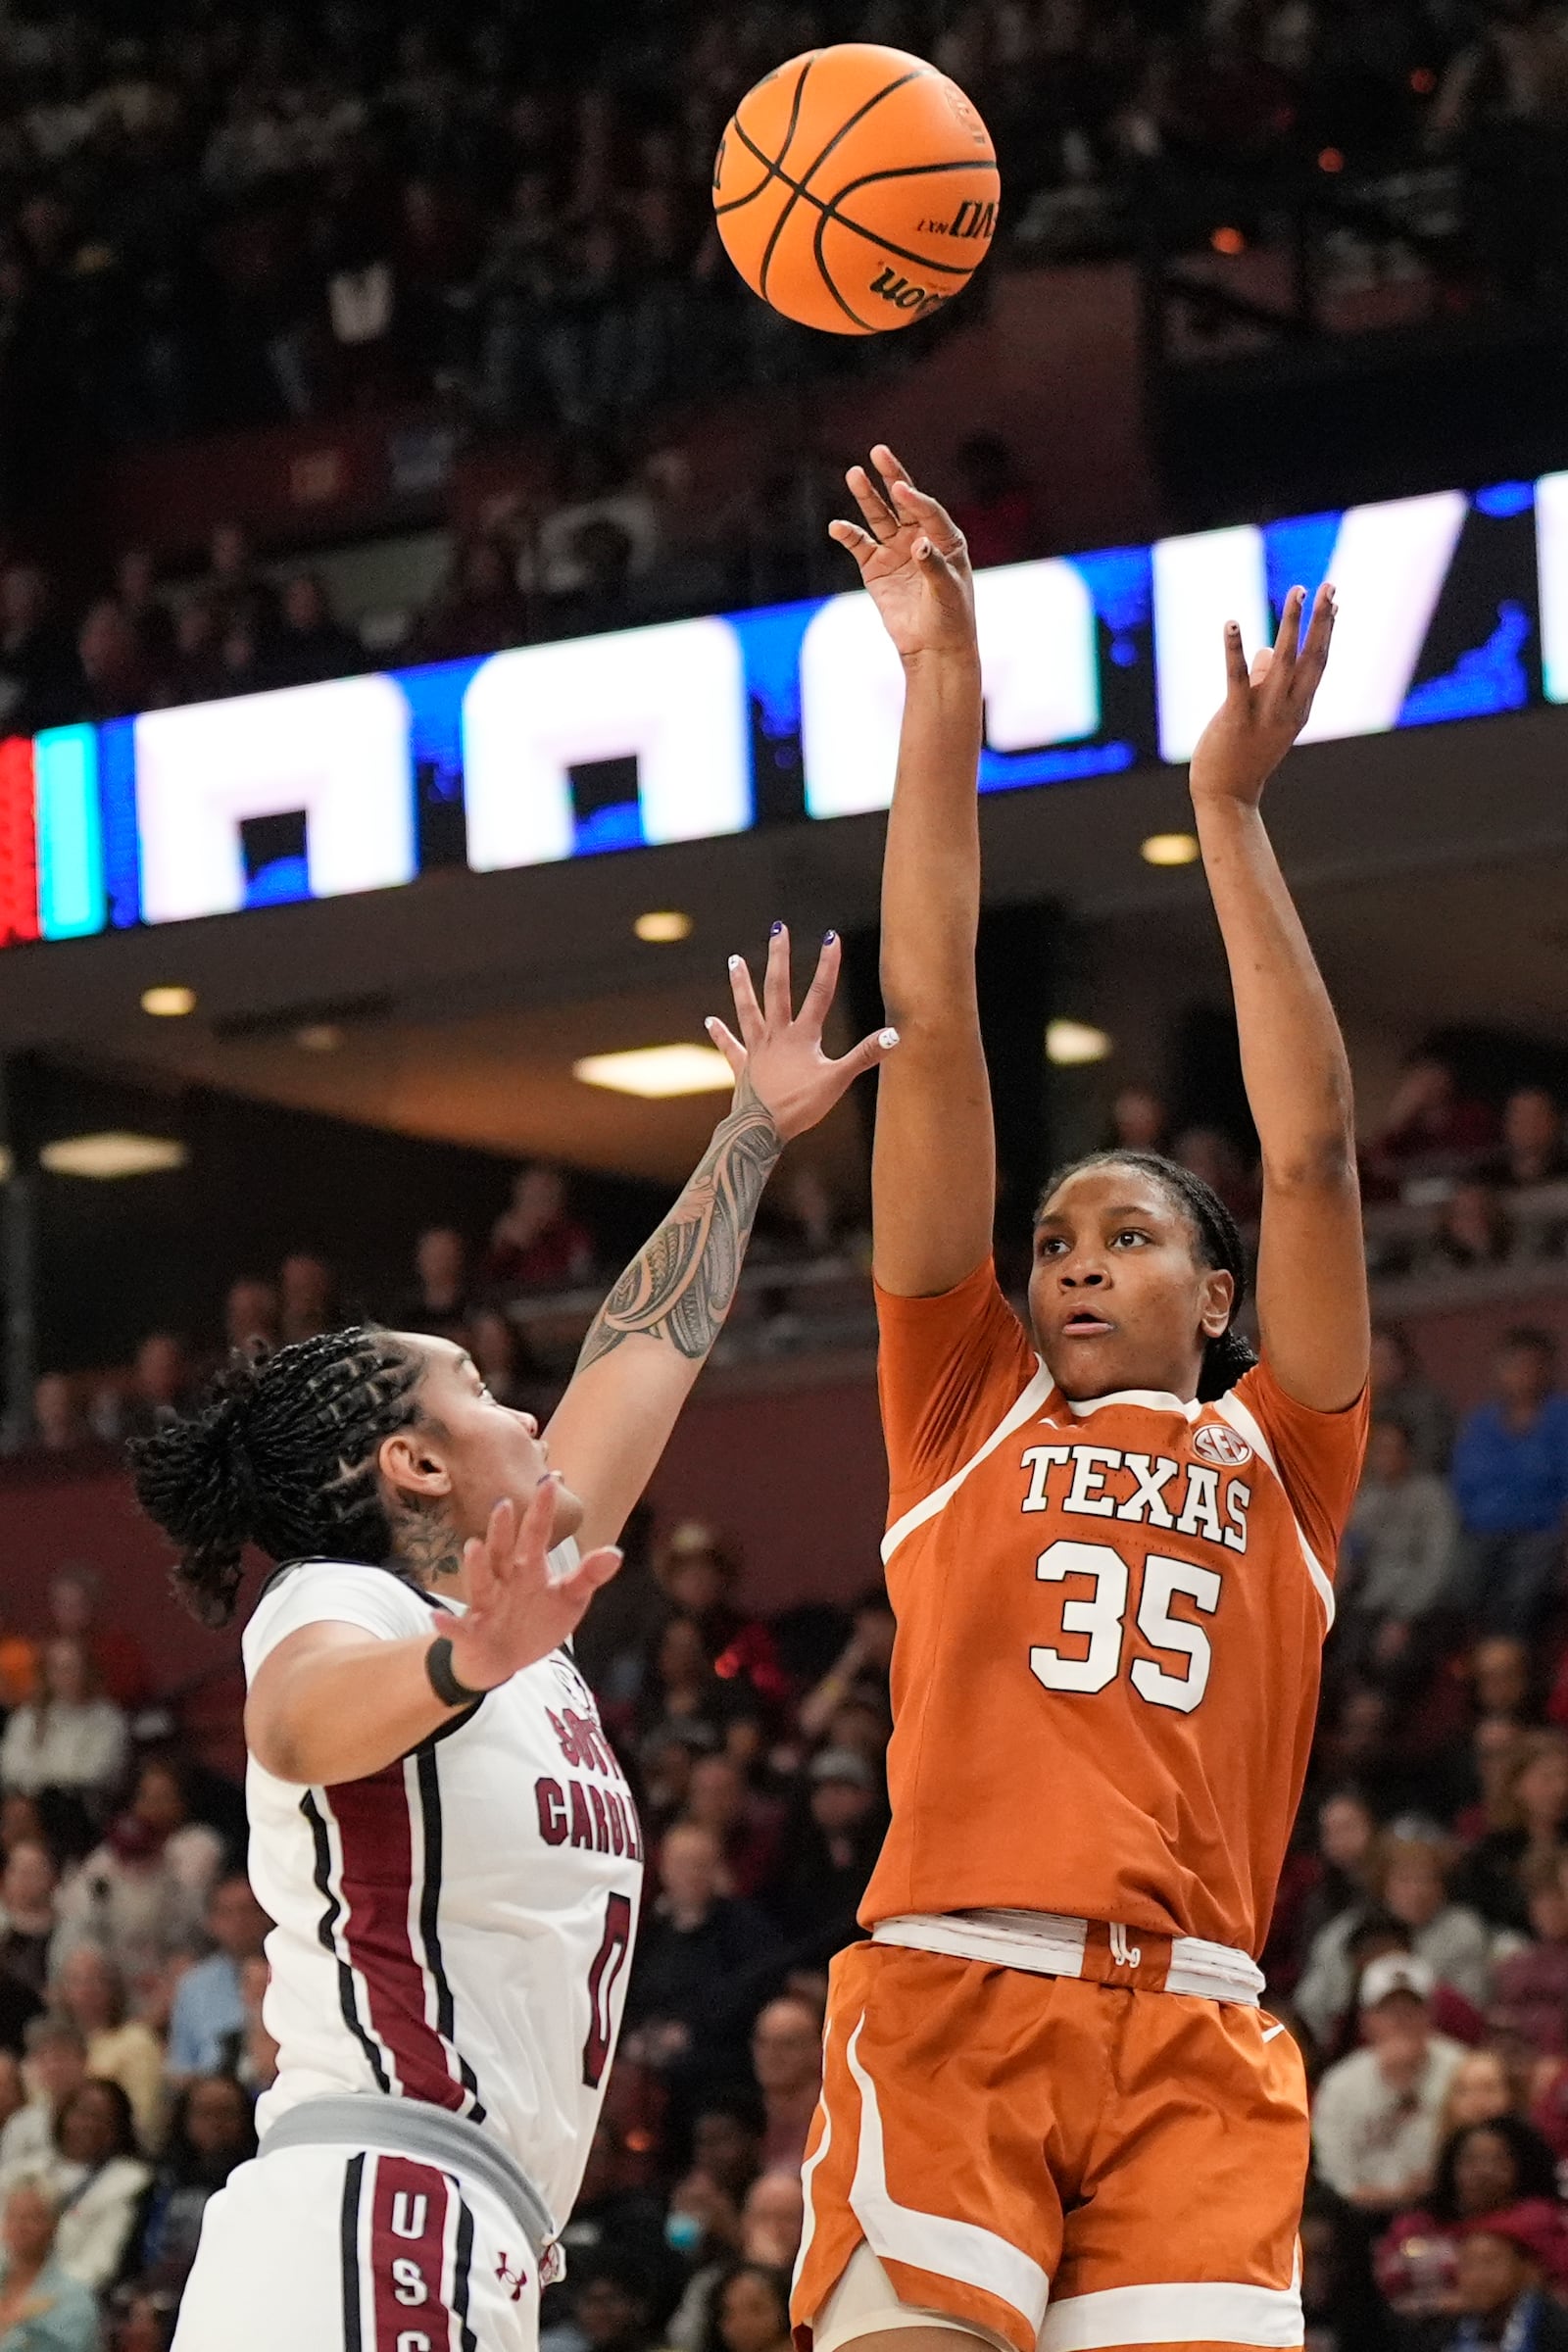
x,y
1110,1621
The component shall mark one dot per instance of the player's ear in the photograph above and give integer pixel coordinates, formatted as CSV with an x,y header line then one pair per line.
x,y
413,1463
1216,1301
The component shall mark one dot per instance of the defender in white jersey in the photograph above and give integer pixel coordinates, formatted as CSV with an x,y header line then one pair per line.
x,y
439,1828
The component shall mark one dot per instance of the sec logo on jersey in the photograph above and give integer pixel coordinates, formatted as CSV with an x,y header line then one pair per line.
x,y
1215,1444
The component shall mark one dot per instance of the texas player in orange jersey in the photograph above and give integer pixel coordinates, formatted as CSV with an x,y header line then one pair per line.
x,y
1054,2112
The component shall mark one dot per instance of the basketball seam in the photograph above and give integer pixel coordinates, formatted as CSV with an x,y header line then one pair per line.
x,y
843,132
774,170
827,210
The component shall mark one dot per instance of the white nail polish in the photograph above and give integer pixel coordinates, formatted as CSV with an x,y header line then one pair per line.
x,y
888,1038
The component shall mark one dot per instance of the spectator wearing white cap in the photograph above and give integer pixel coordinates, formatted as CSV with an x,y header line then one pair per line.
x,y
1375,2124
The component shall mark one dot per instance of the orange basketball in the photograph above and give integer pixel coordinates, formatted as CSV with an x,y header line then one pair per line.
x,y
855,188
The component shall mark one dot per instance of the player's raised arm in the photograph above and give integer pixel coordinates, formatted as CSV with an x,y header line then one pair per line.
x,y
934,1171
1312,1274
654,1332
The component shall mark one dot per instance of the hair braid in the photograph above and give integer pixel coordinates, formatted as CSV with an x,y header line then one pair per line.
x,y
1219,1244
280,1453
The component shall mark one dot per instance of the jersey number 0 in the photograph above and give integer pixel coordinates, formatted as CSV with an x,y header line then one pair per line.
x,y
1101,1617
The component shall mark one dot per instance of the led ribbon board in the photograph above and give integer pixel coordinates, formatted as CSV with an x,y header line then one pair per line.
x,y
1454,606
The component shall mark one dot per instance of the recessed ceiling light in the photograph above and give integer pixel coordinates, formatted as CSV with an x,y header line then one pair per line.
x,y
1169,849
663,927
169,1004
114,1154
656,1071
7,1163
319,1037
1068,1042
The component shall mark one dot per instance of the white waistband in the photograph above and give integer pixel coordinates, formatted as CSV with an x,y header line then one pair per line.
x,y
1048,1944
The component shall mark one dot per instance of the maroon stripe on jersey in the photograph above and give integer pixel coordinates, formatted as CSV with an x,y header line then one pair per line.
x,y
408,2258
377,1841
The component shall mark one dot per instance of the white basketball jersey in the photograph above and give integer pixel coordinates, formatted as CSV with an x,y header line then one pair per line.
x,y
456,1927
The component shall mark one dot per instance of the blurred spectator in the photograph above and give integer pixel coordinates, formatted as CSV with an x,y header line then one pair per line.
x,y
1341,2310
994,506
13,2089
1482,2169
614,2212
1432,1128
1478,2091
613,2306
1500,2290
209,2013
311,643
702,1959
1410,1879
1401,1393
829,1849
751,2311
1535,1810
103,2183
118,1660
745,1827
593,487
1403,1546
1374,2124
136,595
537,1244
699,1571
439,1302
1530,1988
210,2129
681,1690
55,2069
71,1737
253,2054
1510,1480
42,2308
91,1990
27,1915
40,677
251,1312
479,610
141,1892
1472,1226
860,1672
1531,1149
119,681
307,1298
162,1387
772,2219
1501,1671
787,2061
58,1422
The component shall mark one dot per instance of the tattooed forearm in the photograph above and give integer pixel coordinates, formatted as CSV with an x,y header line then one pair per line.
x,y
681,1286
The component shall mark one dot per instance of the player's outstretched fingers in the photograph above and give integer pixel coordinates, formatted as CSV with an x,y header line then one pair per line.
x,y
487,1559
880,519
818,998
729,1046
531,1551
1314,654
748,1012
859,543
868,1055
776,979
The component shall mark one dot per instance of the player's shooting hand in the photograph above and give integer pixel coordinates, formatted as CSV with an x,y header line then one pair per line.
x,y
1266,706
779,1052
518,1613
912,560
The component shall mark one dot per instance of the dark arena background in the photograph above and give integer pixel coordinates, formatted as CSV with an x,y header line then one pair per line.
x,y
422,662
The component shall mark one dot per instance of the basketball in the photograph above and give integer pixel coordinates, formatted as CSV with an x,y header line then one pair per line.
x,y
855,189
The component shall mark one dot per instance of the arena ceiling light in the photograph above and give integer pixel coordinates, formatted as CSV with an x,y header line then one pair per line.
x,y
169,1002
663,927
656,1072
7,1163
115,1152
1070,1043
1169,849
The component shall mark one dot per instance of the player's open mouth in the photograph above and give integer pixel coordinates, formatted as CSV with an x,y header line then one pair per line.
x,y
1086,1327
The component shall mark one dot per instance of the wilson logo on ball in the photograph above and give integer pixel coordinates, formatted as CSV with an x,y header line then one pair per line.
x,y
854,171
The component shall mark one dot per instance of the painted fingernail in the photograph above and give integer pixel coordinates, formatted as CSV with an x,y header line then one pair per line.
x,y
923,548
888,1039
1233,629
777,928
828,937
735,963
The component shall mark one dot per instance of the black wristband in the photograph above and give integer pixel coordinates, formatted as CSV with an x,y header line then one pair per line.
x,y
443,1681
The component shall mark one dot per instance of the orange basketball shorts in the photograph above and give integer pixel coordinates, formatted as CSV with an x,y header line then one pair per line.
x,y
1066,2164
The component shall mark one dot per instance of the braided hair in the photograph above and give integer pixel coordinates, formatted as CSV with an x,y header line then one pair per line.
x,y
1218,1242
281,1453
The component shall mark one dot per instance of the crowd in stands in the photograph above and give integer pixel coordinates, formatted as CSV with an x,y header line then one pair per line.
x,y
214,218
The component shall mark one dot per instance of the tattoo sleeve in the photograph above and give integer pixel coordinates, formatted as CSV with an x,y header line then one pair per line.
x,y
680,1287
